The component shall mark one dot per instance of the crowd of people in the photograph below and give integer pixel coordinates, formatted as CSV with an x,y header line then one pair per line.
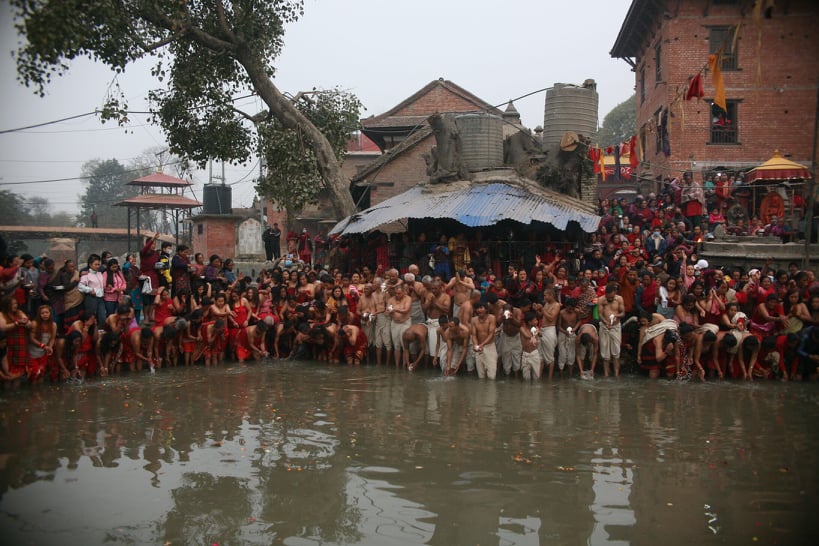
x,y
635,294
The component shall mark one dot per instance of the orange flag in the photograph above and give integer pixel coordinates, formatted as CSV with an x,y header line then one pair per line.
x,y
715,66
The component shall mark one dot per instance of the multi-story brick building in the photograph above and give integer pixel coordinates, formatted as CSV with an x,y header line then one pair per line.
x,y
770,72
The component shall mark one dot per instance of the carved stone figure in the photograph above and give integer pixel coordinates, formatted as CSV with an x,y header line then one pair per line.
x,y
523,152
445,160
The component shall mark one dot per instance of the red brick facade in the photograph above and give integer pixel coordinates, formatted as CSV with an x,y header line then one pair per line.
x,y
215,234
773,87
401,173
403,131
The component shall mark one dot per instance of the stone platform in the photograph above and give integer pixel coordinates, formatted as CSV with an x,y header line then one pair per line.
x,y
750,252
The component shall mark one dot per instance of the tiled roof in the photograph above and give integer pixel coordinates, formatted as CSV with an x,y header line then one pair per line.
x,y
390,118
361,143
392,153
636,27
159,201
160,180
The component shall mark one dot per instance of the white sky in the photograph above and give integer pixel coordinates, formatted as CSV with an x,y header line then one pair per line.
x,y
381,51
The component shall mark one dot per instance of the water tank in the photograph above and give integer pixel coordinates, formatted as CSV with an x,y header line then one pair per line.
x,y
217,199
570,108
481,140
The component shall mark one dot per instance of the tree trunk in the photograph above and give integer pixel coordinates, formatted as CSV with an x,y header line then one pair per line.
x,y
284,110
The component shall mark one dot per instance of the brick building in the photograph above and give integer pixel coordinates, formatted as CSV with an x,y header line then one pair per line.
x,y
770,72
386,157
404,136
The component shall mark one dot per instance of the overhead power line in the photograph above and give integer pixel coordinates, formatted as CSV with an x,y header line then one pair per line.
x,y
45,123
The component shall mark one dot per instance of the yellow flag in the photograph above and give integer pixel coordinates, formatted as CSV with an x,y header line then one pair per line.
x,y
715,66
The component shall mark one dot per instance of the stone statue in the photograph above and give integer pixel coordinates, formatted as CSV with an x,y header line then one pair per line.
x,y
563,169
445,160
523,152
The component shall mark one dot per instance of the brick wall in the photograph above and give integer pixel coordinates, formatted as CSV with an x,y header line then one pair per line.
x,y
439,99
776,112
404,172
218,235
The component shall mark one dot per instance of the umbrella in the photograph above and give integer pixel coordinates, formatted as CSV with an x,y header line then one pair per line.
x,y
777,168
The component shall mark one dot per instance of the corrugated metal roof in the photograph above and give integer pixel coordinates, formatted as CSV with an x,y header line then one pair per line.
x,y
481,202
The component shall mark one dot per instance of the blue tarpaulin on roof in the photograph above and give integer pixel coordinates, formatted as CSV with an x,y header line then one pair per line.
x,y
475,204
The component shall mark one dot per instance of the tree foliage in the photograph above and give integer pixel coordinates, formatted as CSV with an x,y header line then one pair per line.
x,y
207,55
19,210
619,124
105,186
292,178
12,209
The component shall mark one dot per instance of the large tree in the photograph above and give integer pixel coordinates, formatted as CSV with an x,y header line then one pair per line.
x,y
207,52
105,186
291,180
619,124
13,210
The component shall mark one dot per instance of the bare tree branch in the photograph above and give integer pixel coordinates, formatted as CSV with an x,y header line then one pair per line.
x,y
259,117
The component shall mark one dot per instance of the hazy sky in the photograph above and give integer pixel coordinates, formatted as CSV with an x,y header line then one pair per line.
x,y
381,51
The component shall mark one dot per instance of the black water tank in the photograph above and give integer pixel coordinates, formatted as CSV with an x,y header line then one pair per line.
x,y
217,199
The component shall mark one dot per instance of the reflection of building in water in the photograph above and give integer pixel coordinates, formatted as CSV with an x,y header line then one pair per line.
x,y
612,477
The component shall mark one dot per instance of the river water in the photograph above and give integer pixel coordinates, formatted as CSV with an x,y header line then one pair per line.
x,y
305,453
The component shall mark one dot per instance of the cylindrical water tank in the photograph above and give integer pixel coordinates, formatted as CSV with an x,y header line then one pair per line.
x,y
216,199
481,140
570,108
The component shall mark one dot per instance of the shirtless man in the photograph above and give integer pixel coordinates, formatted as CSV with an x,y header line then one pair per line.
x,y
398,308
483,342
367,308
414,336
511,349
548,329
461,287
436,305
587,342
392,278
612,310
439,351
531,364
705,341
495,306
382,322
457,341
416,291
566,333
465,313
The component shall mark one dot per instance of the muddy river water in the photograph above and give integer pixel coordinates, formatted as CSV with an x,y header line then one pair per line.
x,y
304,453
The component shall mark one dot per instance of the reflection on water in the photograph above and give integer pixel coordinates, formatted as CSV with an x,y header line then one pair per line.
x,y
310,454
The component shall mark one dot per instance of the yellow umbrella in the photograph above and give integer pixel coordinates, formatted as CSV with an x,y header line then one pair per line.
x,y
778,168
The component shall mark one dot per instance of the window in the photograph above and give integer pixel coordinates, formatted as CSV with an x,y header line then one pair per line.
x,y
658,133
643,85
721,39
724,128
200,228
643,132
658,70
